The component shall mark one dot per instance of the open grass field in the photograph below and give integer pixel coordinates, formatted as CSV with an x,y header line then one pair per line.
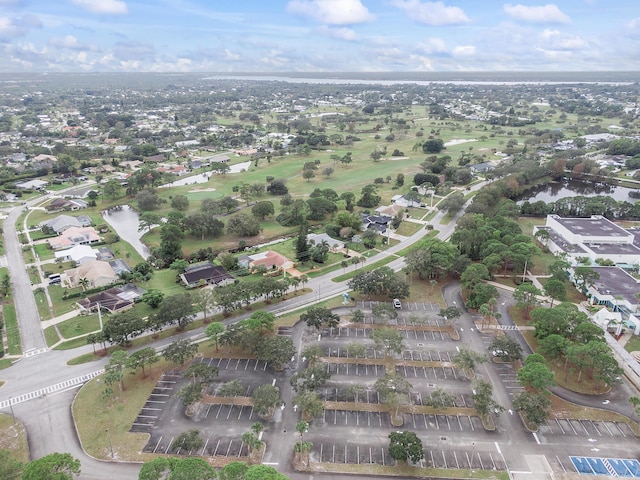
x,y
78,326
13,437
51,336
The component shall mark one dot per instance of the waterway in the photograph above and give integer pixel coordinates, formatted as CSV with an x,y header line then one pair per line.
x,y
550,192
126,222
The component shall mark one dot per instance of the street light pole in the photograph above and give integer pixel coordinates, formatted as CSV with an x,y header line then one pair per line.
x,y
11,408
110,444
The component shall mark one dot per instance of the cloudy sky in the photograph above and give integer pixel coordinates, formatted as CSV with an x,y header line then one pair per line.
x,y
318,35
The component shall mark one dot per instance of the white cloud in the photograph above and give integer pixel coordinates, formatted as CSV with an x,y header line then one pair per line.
x,y
331,12
15,27
432,45
113,7
72,43
464,51
432,13
341,33
549,13
557,40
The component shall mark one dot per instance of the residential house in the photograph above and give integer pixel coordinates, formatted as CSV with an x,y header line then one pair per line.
x,y
119,266
205,273
79,254
404,202
60,223
318,238
65,204
390,210
481,167
73,236
96,272
270,259
115,299
379,223
32,185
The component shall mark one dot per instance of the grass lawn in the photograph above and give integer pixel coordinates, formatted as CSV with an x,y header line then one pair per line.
x,y
94,415
61,305
11,329
5,363
165,280
51,336
43,251
81,325
13,437
42,303
633,344
408,228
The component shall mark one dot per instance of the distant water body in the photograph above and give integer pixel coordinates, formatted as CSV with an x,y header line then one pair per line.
x,y
452,78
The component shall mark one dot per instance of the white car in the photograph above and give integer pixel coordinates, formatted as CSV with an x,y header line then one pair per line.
x,y
397,303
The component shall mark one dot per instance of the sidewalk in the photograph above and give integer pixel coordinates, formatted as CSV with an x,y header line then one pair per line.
x,y
60,319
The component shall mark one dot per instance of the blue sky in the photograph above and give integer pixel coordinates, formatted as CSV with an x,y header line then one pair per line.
x,y
318,35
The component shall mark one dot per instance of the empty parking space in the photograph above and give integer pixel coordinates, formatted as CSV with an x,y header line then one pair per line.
x,y
575,427
156,403
430,373
405,305
233,413
246,364
224,446
459,423
349,418
356,369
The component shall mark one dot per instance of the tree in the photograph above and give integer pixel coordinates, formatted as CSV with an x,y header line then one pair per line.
x,y
180,203
526,296
369,198
264,472
180,351
233,471
121,327
187,441
433,146
190,393
534,376
439,399
205,301
142,358
231,389
320,317
585,277
312,354
302,244
55,466
555,289
450,314
112,189
275,350
466,360
387,340
114,369
213,331
242,225
178,309
392,384
431,258
263,209
405,446
264,398
506,348
201,373
534,407
152,297
452,204
310,379
483,398
310,404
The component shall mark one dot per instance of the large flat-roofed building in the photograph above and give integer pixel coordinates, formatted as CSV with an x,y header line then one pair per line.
x,y
595,237
595,229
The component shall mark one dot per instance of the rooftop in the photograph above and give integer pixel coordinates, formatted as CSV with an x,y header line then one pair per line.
x,y
594,226
614,281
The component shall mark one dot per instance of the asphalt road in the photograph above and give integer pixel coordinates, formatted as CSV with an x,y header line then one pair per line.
x,y
26,309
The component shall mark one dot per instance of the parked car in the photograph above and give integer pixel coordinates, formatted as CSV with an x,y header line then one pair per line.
x,y
397,303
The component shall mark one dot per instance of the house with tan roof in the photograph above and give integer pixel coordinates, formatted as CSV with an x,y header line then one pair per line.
x,y
96,272
270,259
73,236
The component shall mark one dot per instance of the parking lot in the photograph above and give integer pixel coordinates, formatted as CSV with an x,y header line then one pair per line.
x,y
589,428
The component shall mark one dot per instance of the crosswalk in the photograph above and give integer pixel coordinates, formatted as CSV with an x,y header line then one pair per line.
x,y
50,389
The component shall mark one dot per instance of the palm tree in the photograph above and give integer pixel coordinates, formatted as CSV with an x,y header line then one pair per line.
x,y
303,280
84,283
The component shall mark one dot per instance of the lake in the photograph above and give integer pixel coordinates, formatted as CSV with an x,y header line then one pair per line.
x,y
125,222
551,192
